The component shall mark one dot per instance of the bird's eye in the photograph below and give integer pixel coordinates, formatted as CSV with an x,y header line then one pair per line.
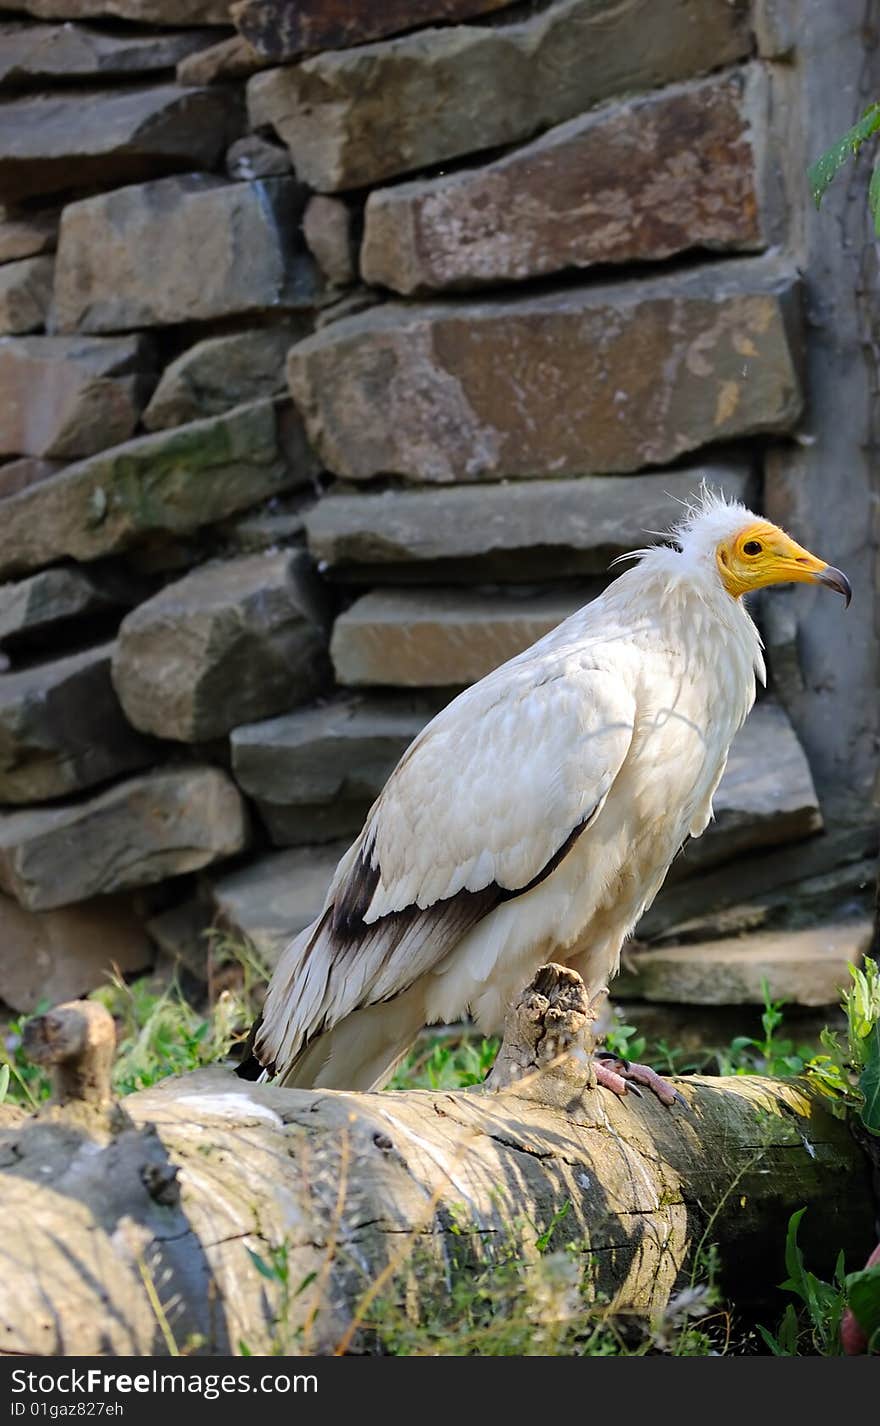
x,y
752,547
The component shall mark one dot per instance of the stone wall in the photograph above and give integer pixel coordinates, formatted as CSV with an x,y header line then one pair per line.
x,y
343,348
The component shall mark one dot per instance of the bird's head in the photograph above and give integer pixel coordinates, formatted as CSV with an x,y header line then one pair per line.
x,y
750,552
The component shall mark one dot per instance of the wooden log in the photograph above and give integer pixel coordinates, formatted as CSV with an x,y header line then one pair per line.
x,y
131,1228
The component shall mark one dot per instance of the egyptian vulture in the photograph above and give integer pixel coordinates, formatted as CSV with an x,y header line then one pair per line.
x,y
536,816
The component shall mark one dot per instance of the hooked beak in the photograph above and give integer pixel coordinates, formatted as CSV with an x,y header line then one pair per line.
x,y
834,579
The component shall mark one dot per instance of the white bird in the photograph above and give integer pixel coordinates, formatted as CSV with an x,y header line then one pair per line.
x,y
536,816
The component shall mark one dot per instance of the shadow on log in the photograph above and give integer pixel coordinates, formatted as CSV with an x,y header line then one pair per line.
x,y
131,1224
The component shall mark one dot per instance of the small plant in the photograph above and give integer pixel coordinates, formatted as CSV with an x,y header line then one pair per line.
x,y
813,1328
821,173
446,1062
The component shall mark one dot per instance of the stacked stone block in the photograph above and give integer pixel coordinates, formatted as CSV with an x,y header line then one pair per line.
x,y
341,350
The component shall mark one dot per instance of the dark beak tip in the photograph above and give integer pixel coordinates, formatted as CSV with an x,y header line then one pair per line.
x,y
836,579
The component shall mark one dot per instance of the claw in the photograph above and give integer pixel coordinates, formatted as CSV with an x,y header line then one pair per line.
x,y
617,1071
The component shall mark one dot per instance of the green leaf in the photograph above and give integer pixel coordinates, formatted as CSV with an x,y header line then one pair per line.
x,y
874,198
4,1081
869,1080
863,1295
263,1268
821,173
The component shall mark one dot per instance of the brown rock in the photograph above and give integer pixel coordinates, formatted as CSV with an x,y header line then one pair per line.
x,y
282,31
438,637
27,234
644,371
56,596
327,231
62,729
314,773
140,12
134,834
350,118
253,157
167,483
53,142
515,531
633,181
219,373
17,475
181,250
808,967
182,933
25,294
275,898
230,642
230,59
29,52
58,955
70,396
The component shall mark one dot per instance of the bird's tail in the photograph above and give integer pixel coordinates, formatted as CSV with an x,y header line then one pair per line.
x,y
363,1050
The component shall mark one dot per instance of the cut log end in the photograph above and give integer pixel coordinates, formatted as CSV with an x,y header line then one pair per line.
x,y
548,1036
77,1041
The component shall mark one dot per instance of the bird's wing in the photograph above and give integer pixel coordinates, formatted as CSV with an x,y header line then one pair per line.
x,y
484,804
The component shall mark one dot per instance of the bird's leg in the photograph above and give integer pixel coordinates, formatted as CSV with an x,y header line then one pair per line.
x,y
624,1077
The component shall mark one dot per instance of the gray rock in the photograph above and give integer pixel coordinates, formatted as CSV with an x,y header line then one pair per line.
x,y
181,250
230,642
515,531
327,228
62,729
167,483
140,12
219,373
56,596
29,52
314,773
352,117
645,371
229,59
182,934
25,293
17,475
53,142
436,638
253,157
634,181
53,956
71,396
807,967
136,833
276,897
27,234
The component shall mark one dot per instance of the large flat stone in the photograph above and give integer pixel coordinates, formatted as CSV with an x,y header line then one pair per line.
x,y
27,234
635,181
219,373
765,797
514,531
53,142
62,729
806,967
167,483
53,956
275,898
17,475
71,396
637,373
314,773
25,294
438,638
53,598
283,31
140,12
181,250
32,52
232,641
352,117
135,834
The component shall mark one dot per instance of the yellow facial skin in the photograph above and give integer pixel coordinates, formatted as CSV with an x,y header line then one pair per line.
x,y
762,554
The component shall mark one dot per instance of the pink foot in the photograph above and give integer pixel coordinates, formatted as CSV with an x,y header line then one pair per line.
x,y
622,1077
